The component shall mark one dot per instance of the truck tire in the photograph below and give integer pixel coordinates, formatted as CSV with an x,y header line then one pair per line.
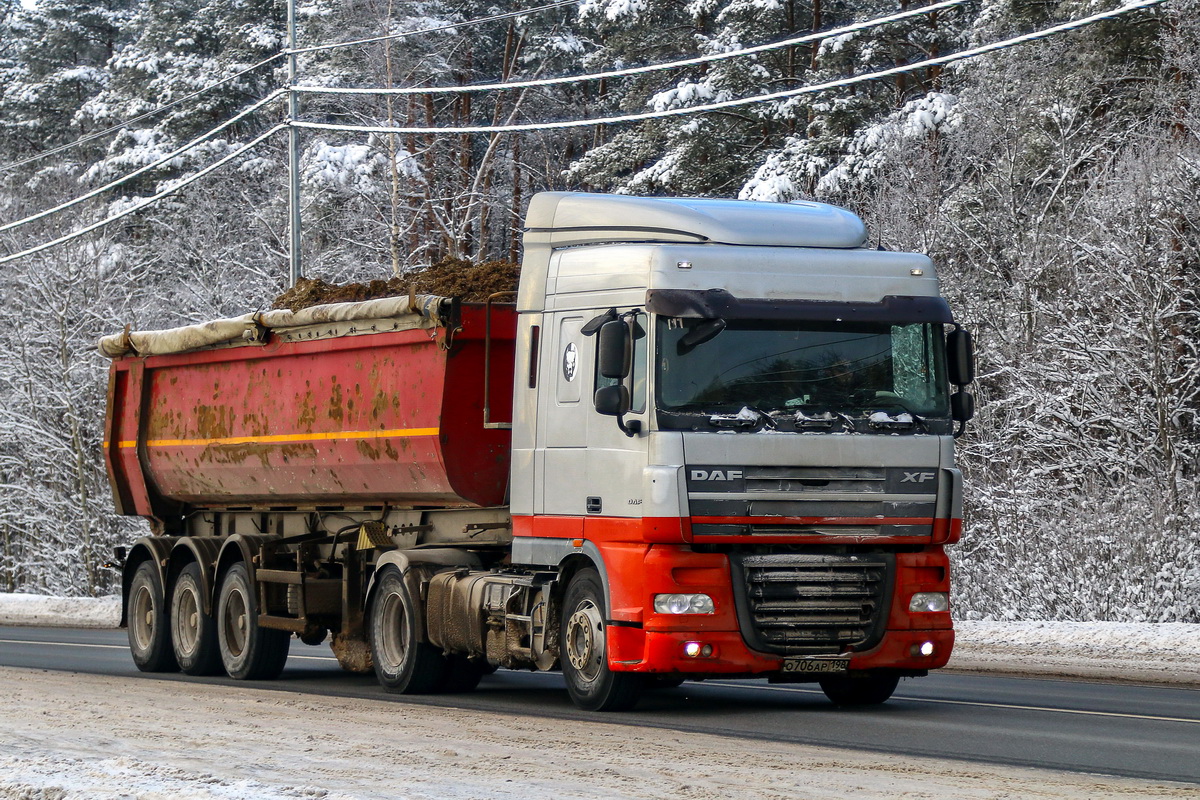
x,y
591,684
248,651
149,623
403,663
860,690
193,633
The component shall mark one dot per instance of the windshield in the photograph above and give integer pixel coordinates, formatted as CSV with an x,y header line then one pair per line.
x,y
803,370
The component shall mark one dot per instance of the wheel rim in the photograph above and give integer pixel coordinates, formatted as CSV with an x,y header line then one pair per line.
x,y
585,640
236,621
142,622
393,638
186,619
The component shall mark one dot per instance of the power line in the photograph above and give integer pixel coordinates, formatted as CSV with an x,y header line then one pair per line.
x,y
451,26
787,93
962,55
148,201
148,167
158,109
152,112
204,137
621,73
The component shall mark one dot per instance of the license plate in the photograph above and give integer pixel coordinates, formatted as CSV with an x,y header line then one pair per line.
x,y
817,666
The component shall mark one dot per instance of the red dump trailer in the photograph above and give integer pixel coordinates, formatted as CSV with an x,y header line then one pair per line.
x,y
316,418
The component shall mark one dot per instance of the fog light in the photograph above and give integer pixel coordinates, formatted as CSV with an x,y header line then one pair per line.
x,y
683,604
692,649
929,602
706,651
922,650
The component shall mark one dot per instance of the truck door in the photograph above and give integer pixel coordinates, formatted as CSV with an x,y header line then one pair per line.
x,y
563,418
615,461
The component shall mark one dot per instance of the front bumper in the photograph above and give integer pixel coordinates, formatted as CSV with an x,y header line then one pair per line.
x,y
640,640
637,650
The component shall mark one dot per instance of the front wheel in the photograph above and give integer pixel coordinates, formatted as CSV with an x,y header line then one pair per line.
x,y
149,622
403,663
860,690
248,650
591,684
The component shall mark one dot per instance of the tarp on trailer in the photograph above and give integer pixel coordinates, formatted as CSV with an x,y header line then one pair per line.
x,y
422,311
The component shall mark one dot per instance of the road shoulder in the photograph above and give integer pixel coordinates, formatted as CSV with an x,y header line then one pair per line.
x,y
69,735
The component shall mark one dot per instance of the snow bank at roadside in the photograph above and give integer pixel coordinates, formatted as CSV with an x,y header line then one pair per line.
x,y
1090,639
1167,652
1146,652
60,612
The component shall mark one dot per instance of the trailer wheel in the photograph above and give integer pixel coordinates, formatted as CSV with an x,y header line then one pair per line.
x,y
149,623
591,684
403,663
193,633
864,690
248,651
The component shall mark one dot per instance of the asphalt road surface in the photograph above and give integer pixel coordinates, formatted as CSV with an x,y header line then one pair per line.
x,y
1106,728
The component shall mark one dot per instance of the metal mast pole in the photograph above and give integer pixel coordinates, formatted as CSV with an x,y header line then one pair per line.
x,y
293,151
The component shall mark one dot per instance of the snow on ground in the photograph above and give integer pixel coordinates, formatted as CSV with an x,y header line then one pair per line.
x,y
1142,652
1139,652
60,612
70,736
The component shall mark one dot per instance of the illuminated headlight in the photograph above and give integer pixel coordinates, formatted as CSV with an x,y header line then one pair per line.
x,y
929,601
683,604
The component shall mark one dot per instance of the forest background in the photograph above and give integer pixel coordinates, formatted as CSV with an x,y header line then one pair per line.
x,y
1056,185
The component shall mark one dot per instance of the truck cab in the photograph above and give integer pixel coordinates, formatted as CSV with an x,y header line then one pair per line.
x,y
739,416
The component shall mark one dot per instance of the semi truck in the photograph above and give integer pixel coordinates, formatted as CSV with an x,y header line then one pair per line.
x,y
704,438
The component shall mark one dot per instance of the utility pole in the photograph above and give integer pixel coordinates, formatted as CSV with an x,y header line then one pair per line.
x,y
293,151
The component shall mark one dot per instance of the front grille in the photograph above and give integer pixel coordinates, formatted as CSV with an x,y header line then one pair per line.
x,y
804,603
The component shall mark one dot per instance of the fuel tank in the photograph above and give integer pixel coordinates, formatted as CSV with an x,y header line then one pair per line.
x,y
341,413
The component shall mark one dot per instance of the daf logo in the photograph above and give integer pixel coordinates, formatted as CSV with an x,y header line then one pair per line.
x,y
917,477
716,475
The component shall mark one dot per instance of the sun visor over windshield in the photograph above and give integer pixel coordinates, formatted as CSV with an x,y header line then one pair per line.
x,y
714,303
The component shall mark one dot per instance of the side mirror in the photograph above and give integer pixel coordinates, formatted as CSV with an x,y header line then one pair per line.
x,y
960,357
962,406
612,401
615,350
706,331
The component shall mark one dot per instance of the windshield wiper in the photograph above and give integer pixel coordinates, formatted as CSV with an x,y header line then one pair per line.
x,y
749,417
822,421
906,420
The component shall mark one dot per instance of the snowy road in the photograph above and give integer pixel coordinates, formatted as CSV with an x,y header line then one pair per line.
x,y
1141,732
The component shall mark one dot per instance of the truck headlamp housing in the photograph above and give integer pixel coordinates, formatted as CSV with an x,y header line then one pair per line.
x,y
929,602
684,604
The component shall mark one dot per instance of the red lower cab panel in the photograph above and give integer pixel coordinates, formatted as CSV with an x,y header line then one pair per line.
x,y
642,640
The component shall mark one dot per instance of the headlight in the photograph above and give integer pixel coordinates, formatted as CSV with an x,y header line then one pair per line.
x,y
683,604
929,602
